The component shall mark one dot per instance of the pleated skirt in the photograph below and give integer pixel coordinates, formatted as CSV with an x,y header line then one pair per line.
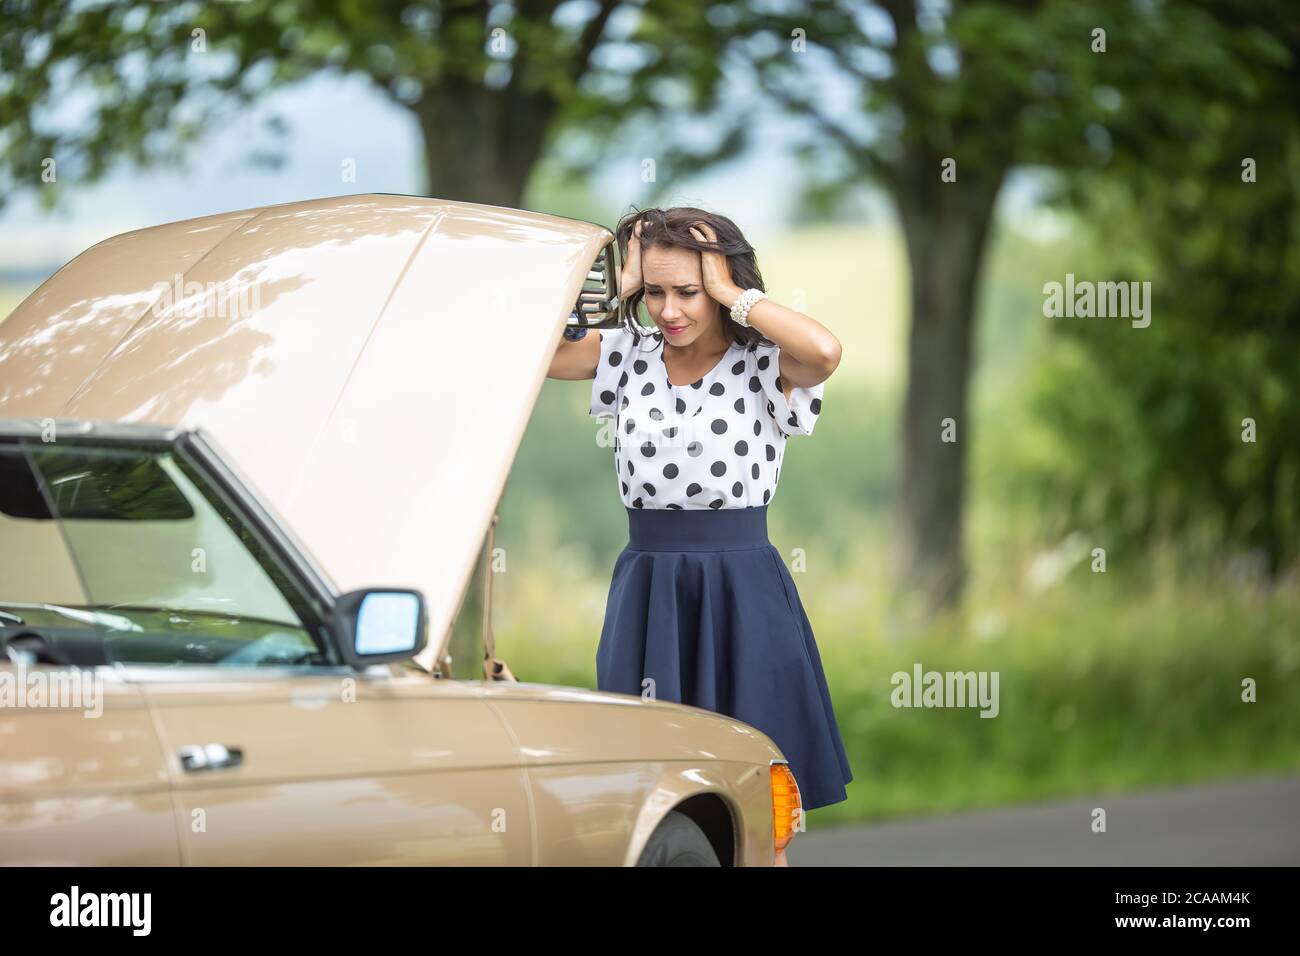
x,y
702,603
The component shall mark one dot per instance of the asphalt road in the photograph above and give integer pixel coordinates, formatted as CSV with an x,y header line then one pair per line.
x,y
1241,823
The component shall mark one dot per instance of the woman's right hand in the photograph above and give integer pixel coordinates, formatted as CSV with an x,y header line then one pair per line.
x,y
629,280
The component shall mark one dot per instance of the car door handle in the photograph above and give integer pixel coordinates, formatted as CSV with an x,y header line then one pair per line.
x,y
198,757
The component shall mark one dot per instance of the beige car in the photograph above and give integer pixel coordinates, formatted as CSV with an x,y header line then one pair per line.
x,y
247,493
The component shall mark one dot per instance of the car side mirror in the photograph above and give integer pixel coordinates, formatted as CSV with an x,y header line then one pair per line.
x,y
379,625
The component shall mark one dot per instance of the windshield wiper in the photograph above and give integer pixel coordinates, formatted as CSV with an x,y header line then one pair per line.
x,y
115,622
229,617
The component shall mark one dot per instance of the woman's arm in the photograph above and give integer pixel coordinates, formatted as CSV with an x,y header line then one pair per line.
x,y
576,360
809,352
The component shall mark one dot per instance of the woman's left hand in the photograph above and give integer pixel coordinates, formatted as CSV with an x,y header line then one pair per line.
x,y
713,266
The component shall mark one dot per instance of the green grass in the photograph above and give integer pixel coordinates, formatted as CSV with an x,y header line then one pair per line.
x,y
1106,682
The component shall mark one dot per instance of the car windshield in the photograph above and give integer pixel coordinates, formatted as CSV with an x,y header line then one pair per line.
x,y
120,553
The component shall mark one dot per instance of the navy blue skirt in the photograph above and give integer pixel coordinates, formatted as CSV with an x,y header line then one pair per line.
x,y
702,602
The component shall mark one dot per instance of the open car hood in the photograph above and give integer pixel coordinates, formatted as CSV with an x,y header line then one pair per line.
x,y
367,364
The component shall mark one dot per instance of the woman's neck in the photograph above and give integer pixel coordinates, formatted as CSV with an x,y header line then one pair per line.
x,y
703,347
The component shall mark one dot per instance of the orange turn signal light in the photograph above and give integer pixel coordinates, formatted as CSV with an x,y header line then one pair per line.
x,y
786,805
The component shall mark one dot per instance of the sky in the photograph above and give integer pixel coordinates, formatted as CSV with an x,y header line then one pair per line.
x,y
381,137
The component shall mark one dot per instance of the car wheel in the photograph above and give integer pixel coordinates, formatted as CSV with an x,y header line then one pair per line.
x,y
678,841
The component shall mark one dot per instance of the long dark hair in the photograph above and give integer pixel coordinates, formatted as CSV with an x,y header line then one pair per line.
x,y
670,228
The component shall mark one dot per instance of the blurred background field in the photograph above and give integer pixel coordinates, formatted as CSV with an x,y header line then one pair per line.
x,y
1109,681
10,295
1104,685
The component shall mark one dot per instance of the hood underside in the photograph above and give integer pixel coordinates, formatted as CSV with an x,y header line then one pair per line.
x,y
368,364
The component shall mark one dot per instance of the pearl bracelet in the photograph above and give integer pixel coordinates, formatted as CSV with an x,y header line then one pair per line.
x,y
744,302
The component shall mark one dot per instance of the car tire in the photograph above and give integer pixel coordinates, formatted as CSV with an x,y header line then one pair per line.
x,y
678,841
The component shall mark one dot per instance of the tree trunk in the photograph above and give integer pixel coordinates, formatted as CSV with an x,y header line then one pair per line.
x,y
946,226
481,144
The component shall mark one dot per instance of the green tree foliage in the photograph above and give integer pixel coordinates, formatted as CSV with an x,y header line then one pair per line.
x,y
1152,437
948,99
489,84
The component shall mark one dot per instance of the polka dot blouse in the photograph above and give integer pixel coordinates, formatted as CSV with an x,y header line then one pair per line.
x,y
715,443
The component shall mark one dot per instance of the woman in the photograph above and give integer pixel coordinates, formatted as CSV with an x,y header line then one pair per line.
x,y
702,610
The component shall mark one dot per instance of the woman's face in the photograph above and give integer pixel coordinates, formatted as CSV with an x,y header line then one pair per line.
x,y
675,296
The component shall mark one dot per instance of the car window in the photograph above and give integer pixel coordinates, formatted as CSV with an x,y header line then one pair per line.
x,y
120,554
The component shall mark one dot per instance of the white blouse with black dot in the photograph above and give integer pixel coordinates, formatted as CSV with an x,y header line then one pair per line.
x,y
715,443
